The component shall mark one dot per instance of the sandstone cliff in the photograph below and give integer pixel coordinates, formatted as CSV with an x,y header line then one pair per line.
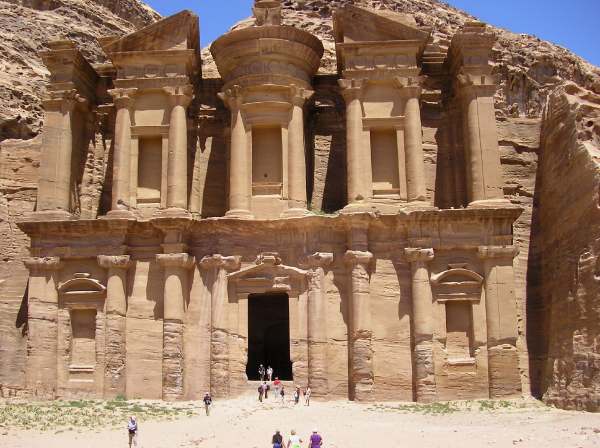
x,y
527,68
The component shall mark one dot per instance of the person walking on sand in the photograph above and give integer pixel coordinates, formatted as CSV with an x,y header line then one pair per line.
x,y
261,392
277,385
207,403
295,441
315,440
282,395
261,372
270,373
266,388
132,429
307,393
277,440
297,395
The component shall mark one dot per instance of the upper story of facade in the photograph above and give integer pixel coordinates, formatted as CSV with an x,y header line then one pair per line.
x,y
403,125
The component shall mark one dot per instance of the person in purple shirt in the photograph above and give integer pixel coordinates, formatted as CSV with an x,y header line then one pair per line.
x,y
315,440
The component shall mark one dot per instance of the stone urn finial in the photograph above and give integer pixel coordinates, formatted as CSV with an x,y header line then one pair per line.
x,y
267,12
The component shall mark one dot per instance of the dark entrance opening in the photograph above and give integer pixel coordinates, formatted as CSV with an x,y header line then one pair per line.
x,y
269,335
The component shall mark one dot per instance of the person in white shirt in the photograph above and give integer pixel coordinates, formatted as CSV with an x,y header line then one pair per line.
x,y
295,441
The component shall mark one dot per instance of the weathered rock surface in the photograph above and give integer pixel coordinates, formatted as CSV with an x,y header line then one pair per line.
x,y
564,304
528,69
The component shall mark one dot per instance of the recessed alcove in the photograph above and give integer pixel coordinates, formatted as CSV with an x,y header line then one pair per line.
x,y
384,161
267,169
149,170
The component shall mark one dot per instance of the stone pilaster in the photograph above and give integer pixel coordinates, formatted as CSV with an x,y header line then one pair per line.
x,y
297,201
177,171
501,317
42,317
54,192
358,161
413,141
116,311
217,266
240,159
361,351
121,188
317,323
422,308
176,270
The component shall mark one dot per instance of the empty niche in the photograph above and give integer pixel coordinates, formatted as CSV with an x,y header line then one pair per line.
x,y
459,330
149,170
83,330
267,172
384,160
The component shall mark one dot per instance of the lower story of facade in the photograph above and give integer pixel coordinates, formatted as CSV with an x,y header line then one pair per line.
x,y
409,307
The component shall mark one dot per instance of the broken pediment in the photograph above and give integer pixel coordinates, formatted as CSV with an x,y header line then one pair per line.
x,y
355,24
81,285
268,273
177,32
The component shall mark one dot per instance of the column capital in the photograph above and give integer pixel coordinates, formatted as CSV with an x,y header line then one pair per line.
x,y
180,95
218,261
355,257
476,85
299,95
352,88
319,260
410,86
114,261
506,252
123,98
181,260
414,254
39,264
233,97
63,100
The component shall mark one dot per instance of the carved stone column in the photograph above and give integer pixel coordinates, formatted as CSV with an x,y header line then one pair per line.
x,y
422,301
116,311
54,192
358,163
501,317
42,334
240,160
413,142
177,171
361,350
121,188
297,201
176,267
219,344
317,323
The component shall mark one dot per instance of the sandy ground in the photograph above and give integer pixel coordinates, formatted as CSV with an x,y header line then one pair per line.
x,y
245,423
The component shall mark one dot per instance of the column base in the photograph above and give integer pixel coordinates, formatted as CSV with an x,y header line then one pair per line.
x,y
359,207
172,212
119,214
295,213
49,215
239,214
489,203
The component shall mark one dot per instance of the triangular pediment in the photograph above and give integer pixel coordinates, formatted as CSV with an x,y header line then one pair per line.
x,y
177,32
356,24
266,270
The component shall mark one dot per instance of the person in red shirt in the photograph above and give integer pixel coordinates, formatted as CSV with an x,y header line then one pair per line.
x,y
277,386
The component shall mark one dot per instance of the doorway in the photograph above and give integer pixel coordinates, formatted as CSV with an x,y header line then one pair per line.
x,y
269,335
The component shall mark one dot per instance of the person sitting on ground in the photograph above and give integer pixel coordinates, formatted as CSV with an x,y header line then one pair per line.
x,y
207,402
132,429
315,440
294,441
277,440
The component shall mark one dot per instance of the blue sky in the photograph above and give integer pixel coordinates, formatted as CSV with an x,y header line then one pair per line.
x,y
574,24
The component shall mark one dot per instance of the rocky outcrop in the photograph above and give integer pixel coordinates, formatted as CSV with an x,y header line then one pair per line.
x,y
564,304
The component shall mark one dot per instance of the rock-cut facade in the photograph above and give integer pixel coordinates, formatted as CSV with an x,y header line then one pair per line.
x,y
201,256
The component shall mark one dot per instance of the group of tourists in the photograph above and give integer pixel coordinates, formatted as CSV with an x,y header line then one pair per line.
x,y
266,385
294,441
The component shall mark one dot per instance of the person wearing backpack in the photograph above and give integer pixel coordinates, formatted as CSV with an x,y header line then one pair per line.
x,y
207,403
277,440
295,441
132,429
315,440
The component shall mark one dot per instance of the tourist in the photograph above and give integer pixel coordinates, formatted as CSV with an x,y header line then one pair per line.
x,y
315,440
282,395
270,373
266,388
277,385
294,441
207,403
277,440
132,429
261,372
307,393
297,395
261,392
